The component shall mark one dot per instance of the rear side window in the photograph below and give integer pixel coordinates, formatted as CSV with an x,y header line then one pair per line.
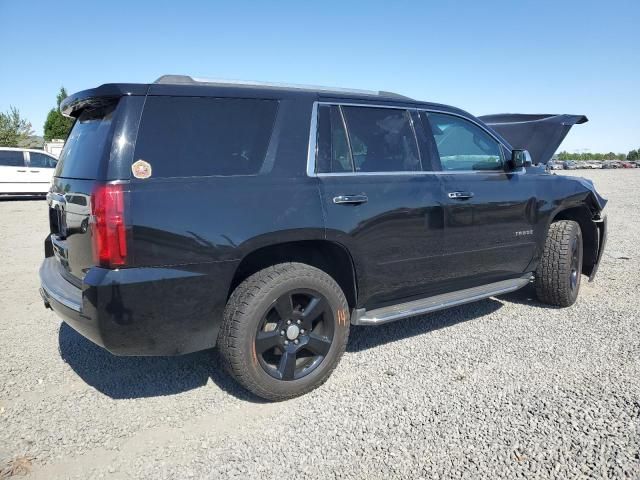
x,y
11,158
334,155
40,160
88,143
463,145
382,139
200,136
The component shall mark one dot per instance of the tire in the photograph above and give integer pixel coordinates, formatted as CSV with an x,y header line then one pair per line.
x,y
264,327
557,278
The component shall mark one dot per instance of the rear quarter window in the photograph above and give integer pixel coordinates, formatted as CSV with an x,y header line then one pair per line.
x,y
202,136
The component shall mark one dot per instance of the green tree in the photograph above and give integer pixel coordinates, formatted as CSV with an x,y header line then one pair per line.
x,y
14,130
633,155
57,125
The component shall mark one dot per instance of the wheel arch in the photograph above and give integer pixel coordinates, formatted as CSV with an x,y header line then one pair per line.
x,y
583,215
330,257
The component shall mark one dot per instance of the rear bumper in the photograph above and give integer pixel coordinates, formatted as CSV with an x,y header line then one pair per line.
x,y
142,311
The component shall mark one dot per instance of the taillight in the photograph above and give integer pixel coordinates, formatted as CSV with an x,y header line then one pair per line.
x,y
108,229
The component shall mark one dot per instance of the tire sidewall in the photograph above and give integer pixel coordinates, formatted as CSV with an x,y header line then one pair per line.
x,y
253,318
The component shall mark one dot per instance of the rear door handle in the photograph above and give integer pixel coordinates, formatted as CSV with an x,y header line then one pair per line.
x,y
22,171
460,195
34,171
351,199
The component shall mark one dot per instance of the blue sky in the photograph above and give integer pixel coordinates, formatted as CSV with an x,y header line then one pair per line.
x,y
488,56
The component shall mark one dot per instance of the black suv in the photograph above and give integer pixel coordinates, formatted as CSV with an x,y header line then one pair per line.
x,y
266,219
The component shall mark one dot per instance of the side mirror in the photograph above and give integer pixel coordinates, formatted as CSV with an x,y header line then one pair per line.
x,y
520,159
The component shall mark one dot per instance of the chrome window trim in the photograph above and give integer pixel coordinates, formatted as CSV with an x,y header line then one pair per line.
x,y
415,136
313,141
312,149
346,136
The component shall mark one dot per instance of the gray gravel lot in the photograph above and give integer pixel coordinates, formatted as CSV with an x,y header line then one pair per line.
x,y
502,388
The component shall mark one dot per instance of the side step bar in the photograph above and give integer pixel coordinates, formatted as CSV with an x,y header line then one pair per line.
x,y
438,302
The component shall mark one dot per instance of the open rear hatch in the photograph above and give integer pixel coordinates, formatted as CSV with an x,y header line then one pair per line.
x,y
540,134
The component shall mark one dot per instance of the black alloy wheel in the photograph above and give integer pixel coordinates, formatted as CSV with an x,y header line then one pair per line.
x,y
295,335
284,330
574,276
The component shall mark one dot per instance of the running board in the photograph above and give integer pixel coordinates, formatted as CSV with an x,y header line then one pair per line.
x,y
438,302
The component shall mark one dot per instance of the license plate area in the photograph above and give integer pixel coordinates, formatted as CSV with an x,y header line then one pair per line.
x,y
60,251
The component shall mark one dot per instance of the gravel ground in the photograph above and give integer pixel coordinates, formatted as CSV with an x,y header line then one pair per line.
x,y
502,388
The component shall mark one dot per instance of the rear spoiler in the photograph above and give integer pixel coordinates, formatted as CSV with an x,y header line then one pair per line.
x,y
102,95
540,134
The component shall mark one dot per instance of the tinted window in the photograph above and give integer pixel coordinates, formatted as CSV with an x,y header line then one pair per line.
x,y
40,160
88,143
382,139
333,150
11,158
198,136
463,145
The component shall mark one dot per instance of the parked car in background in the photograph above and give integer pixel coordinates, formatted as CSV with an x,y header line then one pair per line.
x,y
25,172
555,165
610,164
570,165
626,164
591,164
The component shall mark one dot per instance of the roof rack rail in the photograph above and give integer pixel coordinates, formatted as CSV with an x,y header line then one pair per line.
x,y
188,80
394,95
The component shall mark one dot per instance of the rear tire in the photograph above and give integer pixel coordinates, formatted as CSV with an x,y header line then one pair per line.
x,y
557,278
284,330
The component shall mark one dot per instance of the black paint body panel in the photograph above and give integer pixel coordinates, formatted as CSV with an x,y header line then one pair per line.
x,y
187,236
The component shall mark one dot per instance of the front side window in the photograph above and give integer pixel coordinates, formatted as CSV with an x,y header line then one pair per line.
x,y
40,160
11,158
382,139
463,145
204,136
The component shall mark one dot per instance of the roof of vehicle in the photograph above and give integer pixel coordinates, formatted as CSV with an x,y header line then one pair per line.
x,y
187,85
34,150
188,80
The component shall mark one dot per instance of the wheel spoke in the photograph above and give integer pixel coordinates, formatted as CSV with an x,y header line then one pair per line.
x,y
319,345
284,306
287,366
316,307
267,340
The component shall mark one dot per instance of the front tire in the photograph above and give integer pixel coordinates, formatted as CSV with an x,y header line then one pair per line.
x,y
284,330
558,274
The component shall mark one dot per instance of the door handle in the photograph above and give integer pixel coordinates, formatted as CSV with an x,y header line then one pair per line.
x,y
34,171
22,171
460,195
350,199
